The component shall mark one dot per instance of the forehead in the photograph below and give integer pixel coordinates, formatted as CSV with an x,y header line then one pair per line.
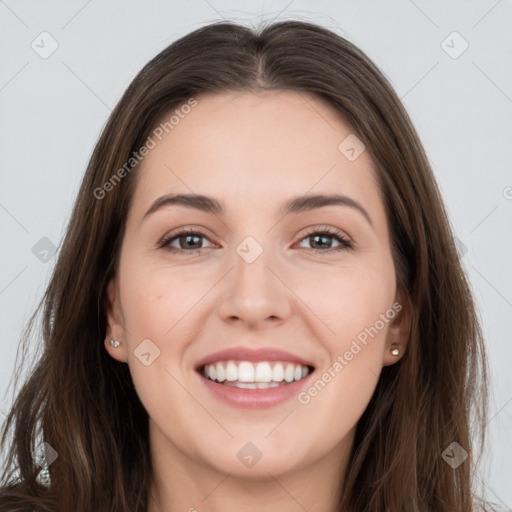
x,y
244,147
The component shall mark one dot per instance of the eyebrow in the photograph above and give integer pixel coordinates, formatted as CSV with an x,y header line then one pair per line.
x,y
295,205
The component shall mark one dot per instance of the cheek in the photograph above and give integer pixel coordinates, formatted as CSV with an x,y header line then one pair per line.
x,y
357,306
158,304
156,297
155,303
348,300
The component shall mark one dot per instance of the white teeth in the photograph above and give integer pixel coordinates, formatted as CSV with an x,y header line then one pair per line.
x,y
261,375
245,372
253,385
221,373
278,372
266,385
245,385
231,371
289,372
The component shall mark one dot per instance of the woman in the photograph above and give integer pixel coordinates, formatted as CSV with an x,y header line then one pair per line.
x,y
258,303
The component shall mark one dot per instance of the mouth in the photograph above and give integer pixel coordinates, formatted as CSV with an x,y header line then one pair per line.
x,y
254,379
255,375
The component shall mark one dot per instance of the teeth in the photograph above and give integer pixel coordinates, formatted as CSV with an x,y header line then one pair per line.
x,y
231,371
247,375
278,372
263,373
246,372
221,373
253,385
289,372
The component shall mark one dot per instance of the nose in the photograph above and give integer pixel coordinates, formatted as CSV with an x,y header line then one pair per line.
x,y
254,293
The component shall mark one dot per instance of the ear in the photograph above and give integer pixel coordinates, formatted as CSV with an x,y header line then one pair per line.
x,y
399,329
115,329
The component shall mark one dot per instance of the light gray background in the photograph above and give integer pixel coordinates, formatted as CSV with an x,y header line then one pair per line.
x,y
52,111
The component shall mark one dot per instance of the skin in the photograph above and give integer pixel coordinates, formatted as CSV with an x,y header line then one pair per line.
x,y
253,152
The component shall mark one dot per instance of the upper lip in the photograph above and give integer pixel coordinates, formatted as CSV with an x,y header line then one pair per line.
x,y
248,354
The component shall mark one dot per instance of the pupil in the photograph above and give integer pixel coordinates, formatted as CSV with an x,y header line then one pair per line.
x,y
323,239
189,243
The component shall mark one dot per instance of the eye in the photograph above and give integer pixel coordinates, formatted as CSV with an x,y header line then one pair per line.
x,y
321,241
183,241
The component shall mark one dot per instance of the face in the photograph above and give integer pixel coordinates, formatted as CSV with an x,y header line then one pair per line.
x,y
293,304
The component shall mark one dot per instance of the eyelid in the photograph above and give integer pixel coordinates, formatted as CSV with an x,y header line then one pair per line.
x,y
323,228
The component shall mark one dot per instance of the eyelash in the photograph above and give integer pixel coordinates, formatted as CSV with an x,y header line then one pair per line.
x,y
345,243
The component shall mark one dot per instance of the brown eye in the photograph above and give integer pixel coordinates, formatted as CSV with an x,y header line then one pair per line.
x,y
326,241
185,240
189,241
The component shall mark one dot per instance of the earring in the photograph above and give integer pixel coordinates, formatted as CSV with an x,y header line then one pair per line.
x,y
43,477
114,343
395,351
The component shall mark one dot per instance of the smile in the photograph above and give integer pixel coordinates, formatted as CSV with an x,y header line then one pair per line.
x,y
250,378
255,375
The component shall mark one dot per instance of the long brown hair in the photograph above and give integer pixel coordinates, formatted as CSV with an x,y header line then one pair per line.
x,y
83,403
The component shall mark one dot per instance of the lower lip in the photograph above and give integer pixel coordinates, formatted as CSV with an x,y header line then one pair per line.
x,y
255,398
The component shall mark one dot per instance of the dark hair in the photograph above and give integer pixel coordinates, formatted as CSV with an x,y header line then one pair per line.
x,y
84,403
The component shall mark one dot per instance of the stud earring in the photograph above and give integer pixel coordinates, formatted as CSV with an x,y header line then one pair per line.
x,y
114,343
395,351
